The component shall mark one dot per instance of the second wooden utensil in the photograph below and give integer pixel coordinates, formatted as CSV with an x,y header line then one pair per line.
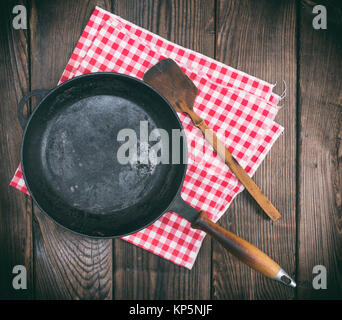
x,y
169,79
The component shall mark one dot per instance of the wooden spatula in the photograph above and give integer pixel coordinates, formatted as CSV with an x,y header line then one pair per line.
x,y
168,79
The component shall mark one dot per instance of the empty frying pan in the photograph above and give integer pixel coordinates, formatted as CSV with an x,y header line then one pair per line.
x,y
71,169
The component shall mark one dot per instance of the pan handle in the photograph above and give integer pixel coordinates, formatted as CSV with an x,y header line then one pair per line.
x,y
240,248
22,120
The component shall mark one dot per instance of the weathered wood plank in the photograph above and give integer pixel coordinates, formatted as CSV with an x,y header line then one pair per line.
x,y
67,266
259,37
15,207
320,169
140,274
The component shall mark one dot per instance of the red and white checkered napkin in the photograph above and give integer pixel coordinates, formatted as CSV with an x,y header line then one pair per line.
x,y
238,107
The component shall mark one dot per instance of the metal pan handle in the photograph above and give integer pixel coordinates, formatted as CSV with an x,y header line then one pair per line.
x,y
22,120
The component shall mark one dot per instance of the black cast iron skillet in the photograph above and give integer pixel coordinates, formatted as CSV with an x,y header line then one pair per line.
x,y
70,166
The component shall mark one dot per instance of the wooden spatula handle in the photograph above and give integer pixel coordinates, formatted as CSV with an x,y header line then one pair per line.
x,y
243,250
233,165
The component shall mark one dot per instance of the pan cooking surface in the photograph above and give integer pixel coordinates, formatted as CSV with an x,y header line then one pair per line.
x,y
80,155
69,156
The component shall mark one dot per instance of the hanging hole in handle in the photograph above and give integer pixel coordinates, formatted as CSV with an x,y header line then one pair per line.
x,y
286,280
23,119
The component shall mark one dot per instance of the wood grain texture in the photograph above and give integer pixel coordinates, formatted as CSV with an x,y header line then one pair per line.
x,y
259,37
140,274
15,207
67,266
320,168
262,38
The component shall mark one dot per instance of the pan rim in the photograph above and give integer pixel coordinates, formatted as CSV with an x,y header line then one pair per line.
x,y
95,74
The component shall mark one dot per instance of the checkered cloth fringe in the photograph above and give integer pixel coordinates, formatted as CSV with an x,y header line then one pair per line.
x,y
238,107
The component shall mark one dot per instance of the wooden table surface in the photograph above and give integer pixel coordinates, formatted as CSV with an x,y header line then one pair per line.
x,y
302,174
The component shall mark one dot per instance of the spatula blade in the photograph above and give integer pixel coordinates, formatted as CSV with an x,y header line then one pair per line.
x,y
170,80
